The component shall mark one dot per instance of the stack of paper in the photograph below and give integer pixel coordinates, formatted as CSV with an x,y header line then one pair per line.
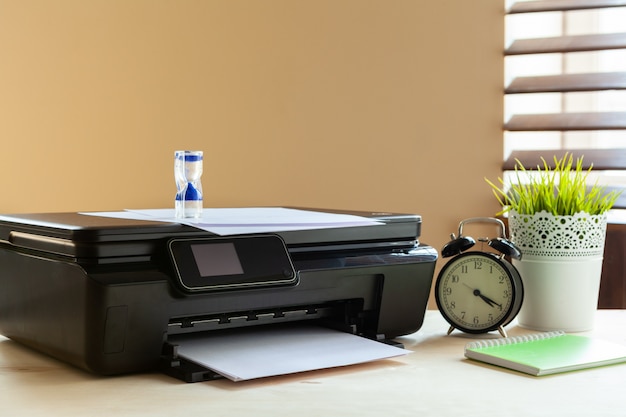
x,y
234,221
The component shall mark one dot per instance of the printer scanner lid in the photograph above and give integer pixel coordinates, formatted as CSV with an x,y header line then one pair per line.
x,y
86,236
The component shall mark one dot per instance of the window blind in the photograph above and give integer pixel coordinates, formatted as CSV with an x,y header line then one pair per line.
x,y
571,125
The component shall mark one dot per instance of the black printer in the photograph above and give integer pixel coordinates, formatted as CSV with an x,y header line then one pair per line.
x,y
112,295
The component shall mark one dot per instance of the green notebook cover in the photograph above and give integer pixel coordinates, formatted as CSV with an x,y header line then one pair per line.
x,y
547,353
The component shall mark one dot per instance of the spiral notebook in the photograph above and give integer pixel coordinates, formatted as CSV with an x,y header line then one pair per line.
x,y
546,353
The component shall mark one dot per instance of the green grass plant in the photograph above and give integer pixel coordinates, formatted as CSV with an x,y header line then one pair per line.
x,y
560,190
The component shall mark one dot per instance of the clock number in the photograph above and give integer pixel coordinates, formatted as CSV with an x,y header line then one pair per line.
x,y
478,265
454,279
464,269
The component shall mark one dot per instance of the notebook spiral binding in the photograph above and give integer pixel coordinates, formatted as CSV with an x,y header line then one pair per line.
x,y
513,340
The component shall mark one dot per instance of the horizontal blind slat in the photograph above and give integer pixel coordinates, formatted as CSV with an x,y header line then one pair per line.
x,y
564,44
601,159
568,83
562,5
567,121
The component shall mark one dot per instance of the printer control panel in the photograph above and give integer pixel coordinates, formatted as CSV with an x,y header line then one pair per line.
x,y
219,263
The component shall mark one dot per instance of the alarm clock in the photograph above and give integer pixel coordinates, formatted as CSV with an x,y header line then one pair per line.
x,y
479,291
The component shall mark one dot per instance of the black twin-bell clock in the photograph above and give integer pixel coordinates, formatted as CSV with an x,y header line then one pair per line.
x,y
479,291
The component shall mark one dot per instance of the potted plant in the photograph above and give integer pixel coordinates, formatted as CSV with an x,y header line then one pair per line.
x,y
559,223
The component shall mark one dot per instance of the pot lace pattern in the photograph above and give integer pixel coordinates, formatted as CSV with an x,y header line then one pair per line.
x,y
545,235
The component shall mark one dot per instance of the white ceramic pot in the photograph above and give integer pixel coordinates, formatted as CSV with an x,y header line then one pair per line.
x,y
559,294
561,267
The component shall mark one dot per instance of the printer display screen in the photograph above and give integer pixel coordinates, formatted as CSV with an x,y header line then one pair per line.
x,y
218,263
217,259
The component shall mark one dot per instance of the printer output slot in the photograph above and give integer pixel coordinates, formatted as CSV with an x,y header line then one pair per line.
x,y
339,315
335,313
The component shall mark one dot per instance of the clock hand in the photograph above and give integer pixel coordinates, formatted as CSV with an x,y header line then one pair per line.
x,y
487,300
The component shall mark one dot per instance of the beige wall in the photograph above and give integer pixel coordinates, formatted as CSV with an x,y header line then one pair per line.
x,y
376,105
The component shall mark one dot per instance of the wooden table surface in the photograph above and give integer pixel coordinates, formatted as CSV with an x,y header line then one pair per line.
x,y
434,380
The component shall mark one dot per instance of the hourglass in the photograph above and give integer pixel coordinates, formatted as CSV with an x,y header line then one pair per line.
x,y
187,173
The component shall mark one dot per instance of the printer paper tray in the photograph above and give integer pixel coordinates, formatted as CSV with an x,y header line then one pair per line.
x,y
263,351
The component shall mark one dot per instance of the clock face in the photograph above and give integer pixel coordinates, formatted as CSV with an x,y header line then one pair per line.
x,y
478,292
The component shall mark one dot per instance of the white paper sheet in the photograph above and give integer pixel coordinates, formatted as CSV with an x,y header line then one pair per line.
x,y
251,353
245,220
